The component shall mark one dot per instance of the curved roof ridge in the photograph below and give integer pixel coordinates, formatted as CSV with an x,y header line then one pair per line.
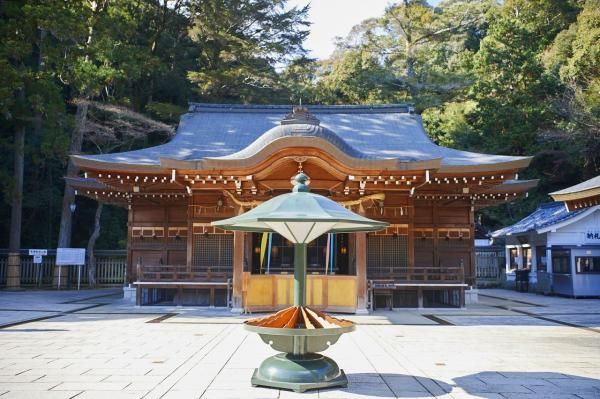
x,y
257,108
295,130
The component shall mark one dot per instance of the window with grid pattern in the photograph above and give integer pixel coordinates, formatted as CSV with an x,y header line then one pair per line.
x,y
212,251
386,254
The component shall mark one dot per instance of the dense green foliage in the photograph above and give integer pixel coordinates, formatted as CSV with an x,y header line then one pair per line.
x,y
518,77
127,58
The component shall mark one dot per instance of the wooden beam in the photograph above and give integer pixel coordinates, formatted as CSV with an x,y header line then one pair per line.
x,y
361,271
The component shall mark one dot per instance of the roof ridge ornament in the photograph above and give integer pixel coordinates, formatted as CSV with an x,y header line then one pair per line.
x,y
300,115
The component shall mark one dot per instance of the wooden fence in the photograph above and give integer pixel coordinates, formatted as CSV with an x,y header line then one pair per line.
x,y
489,264
111,269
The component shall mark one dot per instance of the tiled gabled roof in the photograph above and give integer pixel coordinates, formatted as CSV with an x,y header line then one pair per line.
x,y
380,132
545,215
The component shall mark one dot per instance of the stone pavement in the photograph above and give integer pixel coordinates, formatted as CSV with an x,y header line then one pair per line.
x,y
509,345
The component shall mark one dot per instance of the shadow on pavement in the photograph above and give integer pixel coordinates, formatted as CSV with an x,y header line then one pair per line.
x,y
517,384
391,386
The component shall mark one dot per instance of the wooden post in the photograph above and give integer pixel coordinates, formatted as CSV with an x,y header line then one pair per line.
x,y
138,295
471,275
411,234
434,233
129,271
179,295
361,272
238,271
13,271
190,236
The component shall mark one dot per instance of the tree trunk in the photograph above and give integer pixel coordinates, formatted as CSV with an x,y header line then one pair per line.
x,y
91,245
13,278
66,218
410,67
64,237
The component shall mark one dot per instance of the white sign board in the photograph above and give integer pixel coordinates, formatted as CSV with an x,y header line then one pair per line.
x,y
38,252
37,259
70,256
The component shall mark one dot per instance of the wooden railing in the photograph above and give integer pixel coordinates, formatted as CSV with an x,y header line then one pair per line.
x,y
110,269
171,273
422,275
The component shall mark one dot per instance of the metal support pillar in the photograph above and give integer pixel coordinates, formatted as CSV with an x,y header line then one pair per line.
x,y
299,274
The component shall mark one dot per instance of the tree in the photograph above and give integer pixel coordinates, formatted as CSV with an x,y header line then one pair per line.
x,y
414,52
242,42
412,24
28,99
574,58
356,77
510,84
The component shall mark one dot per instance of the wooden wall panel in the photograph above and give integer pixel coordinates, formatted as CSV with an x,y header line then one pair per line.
x,y
176,257
145,214
423,214
424,252
177,214
452,252
453,215
148,257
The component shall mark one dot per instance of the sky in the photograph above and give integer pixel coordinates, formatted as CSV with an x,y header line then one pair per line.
x,y
332,18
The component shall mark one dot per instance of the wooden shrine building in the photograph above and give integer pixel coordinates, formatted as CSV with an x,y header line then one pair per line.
x,y
375,160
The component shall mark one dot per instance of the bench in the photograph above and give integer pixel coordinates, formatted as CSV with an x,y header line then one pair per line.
x,y
180,285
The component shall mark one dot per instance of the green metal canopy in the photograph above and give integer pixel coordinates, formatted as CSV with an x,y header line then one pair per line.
x,y
300,216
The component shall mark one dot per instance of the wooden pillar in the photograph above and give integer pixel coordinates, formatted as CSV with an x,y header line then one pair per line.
x,y
471,273
190,236
411,234
13,271
131,272
138,295
238,271
435,235
420,297
361,272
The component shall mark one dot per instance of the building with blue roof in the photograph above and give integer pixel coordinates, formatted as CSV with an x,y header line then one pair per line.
x,y
560,248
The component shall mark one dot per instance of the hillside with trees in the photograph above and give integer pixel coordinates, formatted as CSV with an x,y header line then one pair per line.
x,y
516,77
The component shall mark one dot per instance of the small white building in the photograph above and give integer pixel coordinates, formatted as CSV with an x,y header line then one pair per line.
x,y
560,248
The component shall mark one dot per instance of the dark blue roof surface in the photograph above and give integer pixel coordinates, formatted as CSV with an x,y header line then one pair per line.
x,y
546,215
223,131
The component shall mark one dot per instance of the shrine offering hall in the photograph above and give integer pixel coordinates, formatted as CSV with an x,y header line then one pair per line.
x,y
375,160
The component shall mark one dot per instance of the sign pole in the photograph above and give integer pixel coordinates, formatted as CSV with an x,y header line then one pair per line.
x,y
78,277
59,270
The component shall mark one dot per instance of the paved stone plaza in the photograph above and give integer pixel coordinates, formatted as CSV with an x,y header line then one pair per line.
x,y
90,344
